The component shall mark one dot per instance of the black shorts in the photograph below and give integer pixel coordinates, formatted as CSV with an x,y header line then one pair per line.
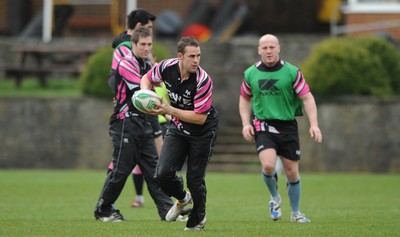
x,y
157,131
285,142
164,127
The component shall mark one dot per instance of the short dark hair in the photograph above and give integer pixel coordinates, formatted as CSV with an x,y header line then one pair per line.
x,y
139,15
142,32
186,41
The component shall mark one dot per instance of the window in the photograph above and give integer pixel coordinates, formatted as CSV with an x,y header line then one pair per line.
x,y
377,1
372,6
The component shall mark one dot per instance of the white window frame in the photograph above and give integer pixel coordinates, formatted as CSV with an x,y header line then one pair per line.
x,y
380,6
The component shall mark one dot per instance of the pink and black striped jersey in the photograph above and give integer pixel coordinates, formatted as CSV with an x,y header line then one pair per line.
x,y
195,93
129,72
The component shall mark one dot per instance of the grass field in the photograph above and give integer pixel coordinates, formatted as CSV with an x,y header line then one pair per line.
x,y
61,203
56,87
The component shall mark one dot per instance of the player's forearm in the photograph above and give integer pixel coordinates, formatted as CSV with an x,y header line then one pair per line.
x,y
145,83
311,109
188,116
312,116
245,110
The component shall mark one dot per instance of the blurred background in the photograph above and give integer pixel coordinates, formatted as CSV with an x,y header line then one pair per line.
x,y
103,18
219,19
48,48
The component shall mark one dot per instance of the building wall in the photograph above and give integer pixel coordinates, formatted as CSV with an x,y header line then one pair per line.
x,y
281,16
156,7
32,7
274,16
3,17
80,27
365,18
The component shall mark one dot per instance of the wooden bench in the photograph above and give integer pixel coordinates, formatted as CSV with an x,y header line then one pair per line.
x,y
18,73
47,60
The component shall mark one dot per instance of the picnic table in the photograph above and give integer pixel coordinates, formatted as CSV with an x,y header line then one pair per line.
x,y
45,60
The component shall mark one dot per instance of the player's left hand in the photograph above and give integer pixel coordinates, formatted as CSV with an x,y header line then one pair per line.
x,y
162,108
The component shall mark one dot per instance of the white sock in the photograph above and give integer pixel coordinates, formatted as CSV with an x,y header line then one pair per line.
x,y
140,198
277,198
186,199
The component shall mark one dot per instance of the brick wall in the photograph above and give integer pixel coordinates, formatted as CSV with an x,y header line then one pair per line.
x,y
83,22
83,13
180,7
360,18
156,7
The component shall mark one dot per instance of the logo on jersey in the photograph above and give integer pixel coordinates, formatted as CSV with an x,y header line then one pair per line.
x,y
267,87
185,99
174,97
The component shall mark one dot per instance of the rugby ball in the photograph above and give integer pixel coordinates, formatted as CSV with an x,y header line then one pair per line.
x,y
145,100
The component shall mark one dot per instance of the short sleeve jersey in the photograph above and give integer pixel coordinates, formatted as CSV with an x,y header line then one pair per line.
x,y
129,72
194,93
274,91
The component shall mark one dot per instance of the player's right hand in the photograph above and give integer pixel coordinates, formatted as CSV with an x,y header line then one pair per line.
x,y
248,132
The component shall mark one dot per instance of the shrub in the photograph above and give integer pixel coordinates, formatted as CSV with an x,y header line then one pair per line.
x,y
94,79
349,66
161,51
388,55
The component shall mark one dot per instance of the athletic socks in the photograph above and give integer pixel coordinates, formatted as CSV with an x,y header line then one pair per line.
x,y
140,198
270,181
293,190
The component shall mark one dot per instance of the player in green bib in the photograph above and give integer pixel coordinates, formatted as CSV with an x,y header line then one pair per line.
x,y
272,94
282,101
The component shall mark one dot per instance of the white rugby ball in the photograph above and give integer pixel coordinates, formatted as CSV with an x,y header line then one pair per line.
x,y
145,100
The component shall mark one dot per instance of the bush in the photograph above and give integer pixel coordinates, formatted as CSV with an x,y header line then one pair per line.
x,y
388,55
94,79
349,66
161,51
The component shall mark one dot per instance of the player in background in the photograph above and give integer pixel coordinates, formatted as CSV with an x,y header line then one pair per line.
x,y
192,133
131,134
275,91
122,43
163,119
122,47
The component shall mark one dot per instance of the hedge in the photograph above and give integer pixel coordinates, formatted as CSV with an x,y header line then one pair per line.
x,y
353,66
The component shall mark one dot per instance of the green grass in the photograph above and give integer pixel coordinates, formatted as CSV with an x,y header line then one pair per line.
x,y
56,87
61,202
